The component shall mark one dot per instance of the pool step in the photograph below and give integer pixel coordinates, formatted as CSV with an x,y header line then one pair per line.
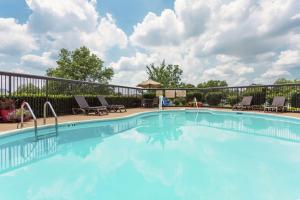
x,y
47,135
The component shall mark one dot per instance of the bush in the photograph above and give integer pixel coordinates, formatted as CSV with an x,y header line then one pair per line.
x,y
149,95
180,102
199,96
233,100
214,98
295,100
63,104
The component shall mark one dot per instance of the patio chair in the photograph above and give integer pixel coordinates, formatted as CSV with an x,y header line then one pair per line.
x,y
166,102
85,108
155,102
114,108
277,104
244,104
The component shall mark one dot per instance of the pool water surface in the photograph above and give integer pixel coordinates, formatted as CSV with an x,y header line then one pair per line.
x,y
157,155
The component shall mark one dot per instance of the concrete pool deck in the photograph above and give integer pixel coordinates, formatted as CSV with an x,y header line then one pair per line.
x,y
75,118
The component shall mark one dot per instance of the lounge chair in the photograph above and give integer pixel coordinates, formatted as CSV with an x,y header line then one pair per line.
x,y
277,104
244,104
166,102
114,108
85,108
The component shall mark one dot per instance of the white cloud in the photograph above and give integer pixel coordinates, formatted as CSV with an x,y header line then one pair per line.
x,y
58,24
289,58
79,24
62,16
40,62
106,36
132,70
231,72
232,40
15,38
237,40
156,30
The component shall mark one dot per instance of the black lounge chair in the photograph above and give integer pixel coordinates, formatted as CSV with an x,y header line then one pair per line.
x,y
244,104
114,108
85,108
277,104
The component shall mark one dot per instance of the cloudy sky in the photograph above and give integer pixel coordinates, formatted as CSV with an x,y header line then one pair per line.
x,y
240,41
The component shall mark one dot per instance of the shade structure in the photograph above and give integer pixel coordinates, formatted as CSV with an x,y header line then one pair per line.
x,y
159,93
170,94
149,84
180,93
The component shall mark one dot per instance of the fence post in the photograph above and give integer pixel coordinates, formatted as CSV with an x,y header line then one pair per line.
x,y
46,89
9,85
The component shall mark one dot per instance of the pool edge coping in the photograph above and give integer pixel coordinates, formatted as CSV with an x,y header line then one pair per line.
x,y
19,131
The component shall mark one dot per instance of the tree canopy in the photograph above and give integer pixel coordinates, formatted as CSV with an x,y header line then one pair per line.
x,y
212,83
167,74
80,64
285,81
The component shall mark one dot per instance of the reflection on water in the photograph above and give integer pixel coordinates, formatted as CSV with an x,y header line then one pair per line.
x,y
25,151
253,125
161,128
19,153
156,128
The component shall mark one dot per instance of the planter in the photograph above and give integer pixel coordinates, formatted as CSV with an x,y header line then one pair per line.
x,y
14,115
6,114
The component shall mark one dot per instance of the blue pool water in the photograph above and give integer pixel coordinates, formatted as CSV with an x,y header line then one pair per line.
x,y
163,155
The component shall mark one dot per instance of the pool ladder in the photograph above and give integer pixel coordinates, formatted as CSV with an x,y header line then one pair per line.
x,y
47,103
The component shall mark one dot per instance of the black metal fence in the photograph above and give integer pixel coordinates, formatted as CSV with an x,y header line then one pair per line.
x,y
38,89
228,96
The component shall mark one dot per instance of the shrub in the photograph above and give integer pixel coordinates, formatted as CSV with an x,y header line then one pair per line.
x,y
233,99
7,104
295,100
214,98
180,101
149,95
63,104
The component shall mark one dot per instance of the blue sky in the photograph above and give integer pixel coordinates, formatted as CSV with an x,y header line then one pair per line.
x,y
240,41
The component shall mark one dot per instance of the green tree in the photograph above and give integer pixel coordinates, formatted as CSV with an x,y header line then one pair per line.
x,y
80,64
212,83
188,85
168,75
285,81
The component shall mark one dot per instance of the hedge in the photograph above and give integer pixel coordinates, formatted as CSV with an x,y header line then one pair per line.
x,y
63,105
214,98
295,100
233,100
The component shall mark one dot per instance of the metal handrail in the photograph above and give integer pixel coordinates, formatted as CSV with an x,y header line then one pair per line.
x,y
53,112
32,114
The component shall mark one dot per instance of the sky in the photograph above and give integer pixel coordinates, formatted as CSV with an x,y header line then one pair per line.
x,y
240,41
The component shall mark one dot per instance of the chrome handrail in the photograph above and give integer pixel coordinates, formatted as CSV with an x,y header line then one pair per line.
x,y
53,112
32,114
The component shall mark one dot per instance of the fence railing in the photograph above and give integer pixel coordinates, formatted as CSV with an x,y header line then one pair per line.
x,y
38,89
228,96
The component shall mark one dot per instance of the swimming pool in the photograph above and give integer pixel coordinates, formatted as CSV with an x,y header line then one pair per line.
x,y
185,154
